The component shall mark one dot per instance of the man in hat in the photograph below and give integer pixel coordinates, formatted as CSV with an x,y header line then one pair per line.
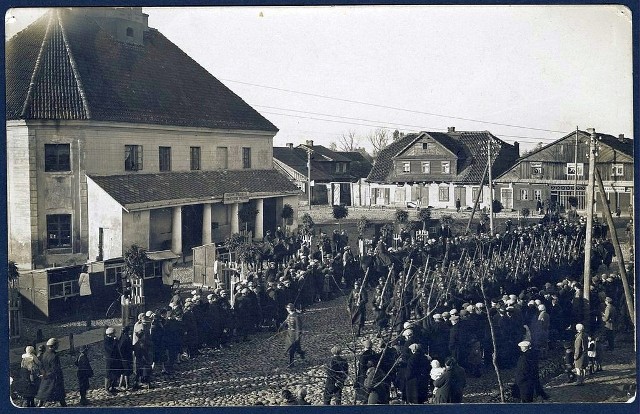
x,y
294,333
52,384
336,369
357,306
527,376
112,360
367,358
609,317
83,373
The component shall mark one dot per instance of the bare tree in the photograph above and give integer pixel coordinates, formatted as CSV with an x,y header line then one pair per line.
x,y
333,146
379,139
397,135
349,142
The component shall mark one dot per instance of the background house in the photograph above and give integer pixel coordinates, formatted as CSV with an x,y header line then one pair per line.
x,y
333,173
437,168
550,174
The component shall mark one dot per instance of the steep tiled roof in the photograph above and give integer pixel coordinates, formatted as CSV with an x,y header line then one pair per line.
x,y
470,148
163,188
65,66
326,152
296,158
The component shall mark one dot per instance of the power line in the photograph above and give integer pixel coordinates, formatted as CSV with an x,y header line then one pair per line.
x,y
532,140
391,107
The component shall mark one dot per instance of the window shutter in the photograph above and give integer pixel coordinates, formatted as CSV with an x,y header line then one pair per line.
x,y
140,157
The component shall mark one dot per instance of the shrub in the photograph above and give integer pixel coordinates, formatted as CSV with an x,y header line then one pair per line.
x,y
307,224
497,206
402,216
363,225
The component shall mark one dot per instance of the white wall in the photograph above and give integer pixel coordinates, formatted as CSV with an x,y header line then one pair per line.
x,y
104,212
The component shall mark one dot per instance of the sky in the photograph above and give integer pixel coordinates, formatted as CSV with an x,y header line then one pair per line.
x,y
530,74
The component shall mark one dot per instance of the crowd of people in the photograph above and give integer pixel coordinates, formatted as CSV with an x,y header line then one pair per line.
x,y
438,304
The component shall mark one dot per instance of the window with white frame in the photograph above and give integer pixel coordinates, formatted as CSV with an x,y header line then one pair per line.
x,y
537,195
112,274
63,289
446,167
443,194
426,167
524,194
406,167
153,269
573,168
617,170
474,193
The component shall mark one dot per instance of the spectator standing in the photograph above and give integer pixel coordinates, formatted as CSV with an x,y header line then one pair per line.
x,y
294,333
451,384
336,369
26,384
580,354
112,360
52,384
84,372
609,317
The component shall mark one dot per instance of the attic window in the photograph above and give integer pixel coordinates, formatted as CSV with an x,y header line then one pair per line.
x,y
129,32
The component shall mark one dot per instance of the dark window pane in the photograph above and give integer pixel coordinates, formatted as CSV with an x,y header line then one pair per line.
x,y
246,157
57,157
165,158
195,158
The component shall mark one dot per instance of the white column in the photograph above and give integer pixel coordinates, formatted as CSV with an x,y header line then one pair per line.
x,y
206,224
235,221
259,218
176,230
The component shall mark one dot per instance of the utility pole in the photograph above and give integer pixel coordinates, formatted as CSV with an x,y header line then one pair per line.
x,y
490,164
575,165
589,234
309,176
606,212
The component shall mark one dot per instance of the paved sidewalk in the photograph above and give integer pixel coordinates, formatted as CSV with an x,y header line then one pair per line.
x,y
85,338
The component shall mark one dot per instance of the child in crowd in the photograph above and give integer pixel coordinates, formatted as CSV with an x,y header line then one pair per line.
x,y
593,354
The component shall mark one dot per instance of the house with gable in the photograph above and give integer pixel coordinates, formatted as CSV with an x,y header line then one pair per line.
x,y
116,137
334,174
552,175
437,168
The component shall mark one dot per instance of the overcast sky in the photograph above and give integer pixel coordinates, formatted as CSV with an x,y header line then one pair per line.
x,y
318,72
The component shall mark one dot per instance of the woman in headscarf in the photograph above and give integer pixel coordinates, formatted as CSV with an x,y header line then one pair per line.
x,y
26,385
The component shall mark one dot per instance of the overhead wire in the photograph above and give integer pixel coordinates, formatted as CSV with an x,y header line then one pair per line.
x,y
391,107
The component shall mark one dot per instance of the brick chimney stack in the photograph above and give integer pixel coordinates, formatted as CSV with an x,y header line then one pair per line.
x,y
309,143
516,146
451,129
290,145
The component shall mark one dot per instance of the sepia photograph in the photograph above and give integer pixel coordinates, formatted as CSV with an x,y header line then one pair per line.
x,y
244,206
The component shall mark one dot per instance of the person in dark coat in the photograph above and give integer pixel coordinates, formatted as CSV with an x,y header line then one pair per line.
x,y
52,384
367,358
294,333
527,376
451,384
357,306
112,360
173,332
143,353
190,326
337,370
417,375
580,360
157,338
27,382
83,373
125,352
609,317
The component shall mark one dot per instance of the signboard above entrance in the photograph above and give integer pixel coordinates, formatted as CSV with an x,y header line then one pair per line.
x,y
567,188
239,197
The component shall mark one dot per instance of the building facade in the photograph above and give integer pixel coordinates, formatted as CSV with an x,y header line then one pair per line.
x,y
436,169
560,170
116,137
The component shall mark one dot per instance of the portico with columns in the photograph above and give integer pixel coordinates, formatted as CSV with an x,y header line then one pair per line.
x,y
186,220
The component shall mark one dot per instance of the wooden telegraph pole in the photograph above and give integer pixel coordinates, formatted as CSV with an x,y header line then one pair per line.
x,y
589,235
489,145
616,246
309,176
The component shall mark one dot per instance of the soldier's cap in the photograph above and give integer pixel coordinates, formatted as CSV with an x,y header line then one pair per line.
x,y
110,331
336,350
542,308
414,347
210,296
52,342
367,344
479,305
148,314
608,299
453,311
469,308
454,318
524,344
290,306
464,312
244,290
445,314
407,332
531,303
141,316
510,308
194,292
407,325
437,316
187,300
464,305
579,327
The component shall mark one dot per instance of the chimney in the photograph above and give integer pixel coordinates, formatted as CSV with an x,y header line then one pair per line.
x,y
309,143
451,129
621,137
591,131
516,147
290,145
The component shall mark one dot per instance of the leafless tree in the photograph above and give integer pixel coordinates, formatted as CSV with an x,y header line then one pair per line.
x,y
349,141
379,139
333,146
